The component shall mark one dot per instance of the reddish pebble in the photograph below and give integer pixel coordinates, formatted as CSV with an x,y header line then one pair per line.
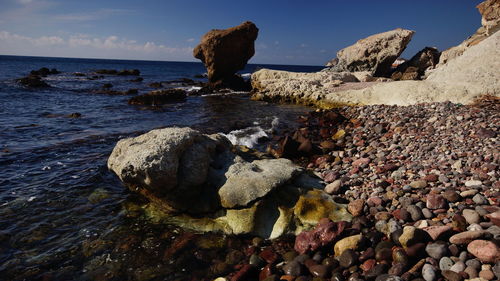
x,y
368,264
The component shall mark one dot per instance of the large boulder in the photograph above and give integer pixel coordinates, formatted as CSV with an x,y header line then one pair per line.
x,y
170,166
200,182
224,52
490,21
375,53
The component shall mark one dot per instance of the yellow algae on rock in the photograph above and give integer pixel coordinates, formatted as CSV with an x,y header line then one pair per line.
x,y
315,205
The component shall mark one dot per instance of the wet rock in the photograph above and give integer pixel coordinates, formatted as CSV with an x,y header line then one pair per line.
x,y
323,234
348,258
247,272
293,268
33,81
159,97
319,270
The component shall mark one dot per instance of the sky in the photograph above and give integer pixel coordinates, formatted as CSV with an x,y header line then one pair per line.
x,y
290,31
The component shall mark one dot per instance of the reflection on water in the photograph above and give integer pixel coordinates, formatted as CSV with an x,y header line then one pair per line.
x,y
63,215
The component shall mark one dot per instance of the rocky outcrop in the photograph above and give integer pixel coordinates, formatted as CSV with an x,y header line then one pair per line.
x,y
197,181
375,53
462,80
490,15
415,68
224,52
490,12
159,97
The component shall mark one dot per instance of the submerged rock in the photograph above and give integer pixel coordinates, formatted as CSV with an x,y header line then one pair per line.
x,y
33,81
159,97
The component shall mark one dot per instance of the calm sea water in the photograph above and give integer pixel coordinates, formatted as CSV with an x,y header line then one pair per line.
x,y
56,193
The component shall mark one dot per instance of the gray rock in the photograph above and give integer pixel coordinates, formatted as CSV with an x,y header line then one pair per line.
x,y
415,212
428,272
479,199
172,164
445,263
471,216
246,182
474,263
427,213
436,250
458,267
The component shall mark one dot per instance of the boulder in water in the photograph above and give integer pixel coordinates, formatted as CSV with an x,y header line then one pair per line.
x,y
224,52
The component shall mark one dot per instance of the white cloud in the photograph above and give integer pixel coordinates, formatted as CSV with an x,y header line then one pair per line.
x,y
190,40
86,46
303,45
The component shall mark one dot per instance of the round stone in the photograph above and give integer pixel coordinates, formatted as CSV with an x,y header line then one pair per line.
x,y
445,263
293,268
428,272
436,250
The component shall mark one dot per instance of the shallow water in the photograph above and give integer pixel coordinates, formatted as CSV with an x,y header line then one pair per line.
x,y
56,193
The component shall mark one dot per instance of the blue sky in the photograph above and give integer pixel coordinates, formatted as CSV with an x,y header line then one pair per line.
x,y
291,32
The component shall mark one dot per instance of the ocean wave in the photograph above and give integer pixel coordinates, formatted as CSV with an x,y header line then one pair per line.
x,y
251,136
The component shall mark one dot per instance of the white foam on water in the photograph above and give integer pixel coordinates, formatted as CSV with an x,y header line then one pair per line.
x,y
191,88
250,136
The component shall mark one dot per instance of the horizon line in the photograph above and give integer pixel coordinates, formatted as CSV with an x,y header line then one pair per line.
x,y
147,60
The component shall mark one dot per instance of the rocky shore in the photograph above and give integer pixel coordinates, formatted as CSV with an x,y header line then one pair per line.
x,y
420,182
387,180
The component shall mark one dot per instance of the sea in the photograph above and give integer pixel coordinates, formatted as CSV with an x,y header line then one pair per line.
x,y
60,207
